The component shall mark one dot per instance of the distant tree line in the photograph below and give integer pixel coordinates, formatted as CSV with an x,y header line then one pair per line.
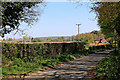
x,y
84,37
50,39
90,37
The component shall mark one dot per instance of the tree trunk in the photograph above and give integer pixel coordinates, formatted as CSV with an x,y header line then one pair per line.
x,y
118,44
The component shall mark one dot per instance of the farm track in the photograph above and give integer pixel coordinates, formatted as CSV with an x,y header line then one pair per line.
x,y
73,70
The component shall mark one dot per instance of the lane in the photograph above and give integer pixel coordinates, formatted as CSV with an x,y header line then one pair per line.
x,y
75,69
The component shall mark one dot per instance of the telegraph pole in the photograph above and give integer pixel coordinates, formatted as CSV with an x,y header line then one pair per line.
x,y
78,28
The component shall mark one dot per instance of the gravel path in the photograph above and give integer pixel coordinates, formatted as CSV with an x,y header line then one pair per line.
x,y
74,70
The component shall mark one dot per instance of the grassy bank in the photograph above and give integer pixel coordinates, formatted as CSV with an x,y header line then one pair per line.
x,y
21,59
109,67
18,66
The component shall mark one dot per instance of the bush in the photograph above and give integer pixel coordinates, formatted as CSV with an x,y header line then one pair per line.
x,y
109,67
26,58
29,51
108,46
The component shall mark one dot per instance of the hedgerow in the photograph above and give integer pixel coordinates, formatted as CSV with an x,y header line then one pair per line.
x,y
26,58
109,67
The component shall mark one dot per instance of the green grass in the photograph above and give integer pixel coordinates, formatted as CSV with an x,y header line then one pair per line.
x,y
109,67
17,66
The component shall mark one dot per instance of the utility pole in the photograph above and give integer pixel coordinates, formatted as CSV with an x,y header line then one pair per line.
x,y
78,28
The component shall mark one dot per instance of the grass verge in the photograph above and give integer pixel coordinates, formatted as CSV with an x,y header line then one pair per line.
x,y
109,67
19,67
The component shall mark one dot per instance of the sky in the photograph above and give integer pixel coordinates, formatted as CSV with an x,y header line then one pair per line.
x,y
60,19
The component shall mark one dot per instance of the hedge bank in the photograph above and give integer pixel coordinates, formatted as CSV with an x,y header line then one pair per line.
x,y
109,67
11,50
26,58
